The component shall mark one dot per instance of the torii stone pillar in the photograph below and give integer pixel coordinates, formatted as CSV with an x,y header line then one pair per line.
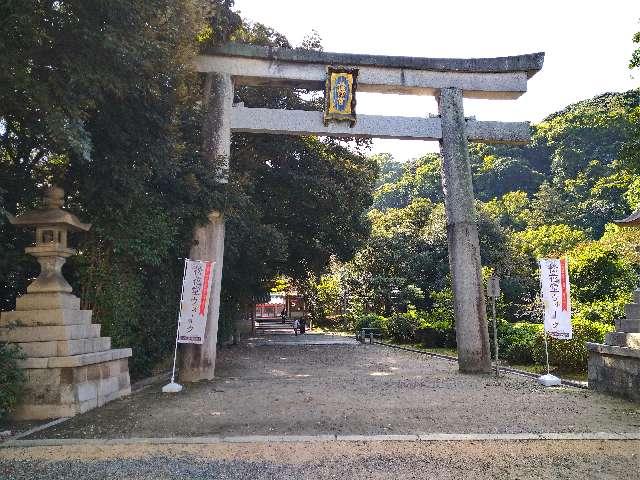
x,y
198,362
462,236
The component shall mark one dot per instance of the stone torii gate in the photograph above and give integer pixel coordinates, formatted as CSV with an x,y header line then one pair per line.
x,y
450,80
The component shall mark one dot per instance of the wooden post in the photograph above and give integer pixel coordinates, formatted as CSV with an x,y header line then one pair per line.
x,y
472,335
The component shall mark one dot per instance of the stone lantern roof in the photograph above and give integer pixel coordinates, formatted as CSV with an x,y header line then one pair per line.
x,y
51,214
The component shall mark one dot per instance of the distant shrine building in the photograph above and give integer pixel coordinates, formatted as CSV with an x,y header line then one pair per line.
x,y
290,302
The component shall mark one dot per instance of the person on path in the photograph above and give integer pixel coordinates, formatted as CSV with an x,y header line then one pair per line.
x,y
296,325
283,315
302,325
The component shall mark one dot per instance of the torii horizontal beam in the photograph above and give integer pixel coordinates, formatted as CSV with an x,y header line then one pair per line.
x,y
299,122
490,78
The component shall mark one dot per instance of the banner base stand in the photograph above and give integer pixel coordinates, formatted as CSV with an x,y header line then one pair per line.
x,y
549,380
172,388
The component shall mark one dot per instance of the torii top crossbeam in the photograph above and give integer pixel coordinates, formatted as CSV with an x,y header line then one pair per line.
x,y
486,78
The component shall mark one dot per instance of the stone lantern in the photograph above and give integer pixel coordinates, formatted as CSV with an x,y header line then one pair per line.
x,y
52,225
69,367
614,366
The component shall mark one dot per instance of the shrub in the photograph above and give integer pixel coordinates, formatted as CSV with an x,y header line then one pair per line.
x,y
437,334
517,341
11,378
371,320
571,355
402,327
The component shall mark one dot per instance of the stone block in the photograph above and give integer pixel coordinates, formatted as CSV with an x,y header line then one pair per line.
x,y
39,349
36,318
44,376
124,381
632,311
89,358
621,339
94,372
33,362
628,326
67,394
87,405
29,411
61,348
47,301
114,368
86,391
46,394
614,370
107,386
49,333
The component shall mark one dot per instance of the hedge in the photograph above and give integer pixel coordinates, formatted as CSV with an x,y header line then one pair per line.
x,y
520,343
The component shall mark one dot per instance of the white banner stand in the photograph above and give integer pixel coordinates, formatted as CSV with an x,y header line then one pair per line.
x,y
554,290
174,387
548,380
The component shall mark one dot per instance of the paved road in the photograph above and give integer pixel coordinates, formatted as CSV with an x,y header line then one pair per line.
x,y
579,460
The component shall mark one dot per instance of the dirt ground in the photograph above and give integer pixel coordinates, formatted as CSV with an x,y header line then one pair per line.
x,y
269,388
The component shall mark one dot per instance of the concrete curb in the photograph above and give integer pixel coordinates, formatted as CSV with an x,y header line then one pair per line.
x,y
419,437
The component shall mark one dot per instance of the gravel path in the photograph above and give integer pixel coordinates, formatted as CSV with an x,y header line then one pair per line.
x,y
270,389
333,460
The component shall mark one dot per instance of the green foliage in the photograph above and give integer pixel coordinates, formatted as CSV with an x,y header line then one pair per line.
x,y
437,334
123,137
497,176
549,240
597,273
371,320
402,326
635,56
572,355
518,341
12,378
400,184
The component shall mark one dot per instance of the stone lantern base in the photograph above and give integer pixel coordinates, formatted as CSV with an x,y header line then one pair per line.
x,y
69,367
614,367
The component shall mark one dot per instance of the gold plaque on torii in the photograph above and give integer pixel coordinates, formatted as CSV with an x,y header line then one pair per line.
x,y
340,95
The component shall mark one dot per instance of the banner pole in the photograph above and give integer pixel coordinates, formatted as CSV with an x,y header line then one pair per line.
x,y
495,333
546,350
175,387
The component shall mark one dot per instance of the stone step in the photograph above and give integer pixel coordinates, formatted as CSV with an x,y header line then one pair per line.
x,y
47,301
48,333
628,326
75,360
621,339
64,348
37,318
632,311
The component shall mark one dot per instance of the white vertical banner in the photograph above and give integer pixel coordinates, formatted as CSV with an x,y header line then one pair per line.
x,y
554,282
194,304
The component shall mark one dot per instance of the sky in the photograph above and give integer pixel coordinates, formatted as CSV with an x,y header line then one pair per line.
x,y
588,44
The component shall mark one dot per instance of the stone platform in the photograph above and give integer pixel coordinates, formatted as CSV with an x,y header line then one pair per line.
x,y
69,367
614,367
